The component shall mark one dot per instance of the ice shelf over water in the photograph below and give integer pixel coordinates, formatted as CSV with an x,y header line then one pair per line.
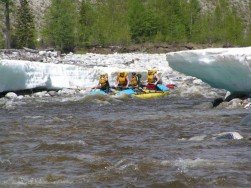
x,y
75,70
21,75
225,68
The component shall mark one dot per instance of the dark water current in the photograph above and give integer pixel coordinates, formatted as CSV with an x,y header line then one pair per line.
x,y
100,142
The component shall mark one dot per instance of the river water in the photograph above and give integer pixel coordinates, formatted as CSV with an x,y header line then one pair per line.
x,y
103,141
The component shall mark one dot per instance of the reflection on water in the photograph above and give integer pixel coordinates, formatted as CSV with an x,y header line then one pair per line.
x,y
114,142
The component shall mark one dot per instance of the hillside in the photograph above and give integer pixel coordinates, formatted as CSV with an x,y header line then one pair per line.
x,y
126,23
40,6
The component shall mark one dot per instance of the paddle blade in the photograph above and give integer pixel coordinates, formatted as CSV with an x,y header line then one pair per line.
x,y
161,87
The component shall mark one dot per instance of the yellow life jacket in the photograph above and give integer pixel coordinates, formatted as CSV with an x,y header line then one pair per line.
x,y
103,81
151,78
122,79
134,81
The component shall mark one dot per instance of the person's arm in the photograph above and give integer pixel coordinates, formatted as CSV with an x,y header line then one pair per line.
x,y
128,81
157,79
96,87
116,83
137,81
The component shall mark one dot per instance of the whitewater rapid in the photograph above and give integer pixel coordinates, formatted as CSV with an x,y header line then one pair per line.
x,y
227,69
224,68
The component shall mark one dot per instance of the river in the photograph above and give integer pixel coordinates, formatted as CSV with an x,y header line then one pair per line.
x,y
106,142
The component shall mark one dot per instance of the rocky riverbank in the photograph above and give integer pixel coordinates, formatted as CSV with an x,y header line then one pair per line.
x,y
51,55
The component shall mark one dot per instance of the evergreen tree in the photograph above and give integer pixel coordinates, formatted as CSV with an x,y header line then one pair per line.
x,y
248,33
61,27
176,26
228,25
25,29
191,16
206,29
143,22
1,39
7,4
113,20
86,22
1,26
161,10
234,28
171,18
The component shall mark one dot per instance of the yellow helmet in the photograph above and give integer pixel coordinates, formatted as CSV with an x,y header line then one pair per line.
x,y
122,74
152,71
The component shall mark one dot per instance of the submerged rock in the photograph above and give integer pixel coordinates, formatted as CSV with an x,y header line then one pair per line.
x,y
247,106
228,136
217,102
235,103
220,136
52,93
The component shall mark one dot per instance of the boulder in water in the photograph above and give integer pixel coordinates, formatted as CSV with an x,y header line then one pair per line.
x,y
11,95
66,91
40,94
52,93
247,106
235,103
228,136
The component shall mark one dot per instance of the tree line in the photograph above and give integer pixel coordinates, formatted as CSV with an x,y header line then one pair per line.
x,y
72,24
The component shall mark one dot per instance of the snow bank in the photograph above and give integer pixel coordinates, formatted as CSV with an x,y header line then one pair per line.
x,y
20,75
224,68
75,70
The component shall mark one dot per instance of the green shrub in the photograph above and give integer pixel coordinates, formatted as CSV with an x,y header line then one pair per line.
x,y
61,25
25,28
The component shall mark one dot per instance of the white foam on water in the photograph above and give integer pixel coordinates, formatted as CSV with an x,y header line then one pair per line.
x,y
198,138
88,157
33,181
72,142
185,164
33,117
4,162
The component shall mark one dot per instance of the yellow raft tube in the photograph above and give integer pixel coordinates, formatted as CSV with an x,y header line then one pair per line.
x,y
149,94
